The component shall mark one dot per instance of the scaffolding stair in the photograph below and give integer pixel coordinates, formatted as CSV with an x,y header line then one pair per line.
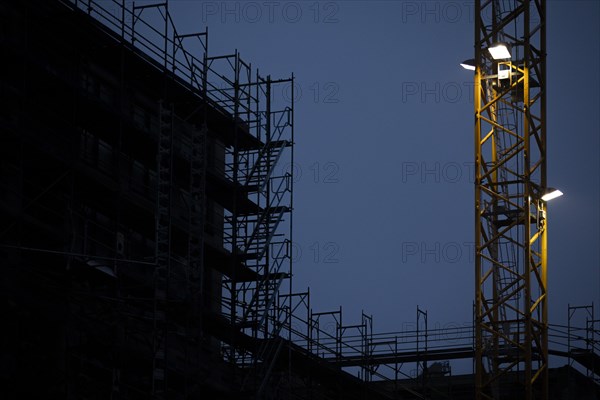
x,y
266,225
268,156
263,168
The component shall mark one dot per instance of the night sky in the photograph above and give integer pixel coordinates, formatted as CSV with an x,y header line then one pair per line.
x,y
383,217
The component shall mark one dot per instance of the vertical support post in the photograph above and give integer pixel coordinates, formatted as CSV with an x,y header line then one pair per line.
x,y
527,198
477,149
544,377
422,365
123,19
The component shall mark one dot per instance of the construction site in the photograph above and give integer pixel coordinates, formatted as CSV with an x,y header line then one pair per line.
x,y
146,226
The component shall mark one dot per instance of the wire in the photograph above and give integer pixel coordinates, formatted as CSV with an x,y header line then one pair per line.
x,y
66,253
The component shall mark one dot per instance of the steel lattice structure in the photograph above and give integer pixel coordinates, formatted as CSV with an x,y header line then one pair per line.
x,y
511,359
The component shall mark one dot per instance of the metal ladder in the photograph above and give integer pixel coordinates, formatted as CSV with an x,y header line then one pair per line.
x,y
163,250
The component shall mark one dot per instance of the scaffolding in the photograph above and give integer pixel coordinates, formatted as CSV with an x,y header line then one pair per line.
x,y
583,341
258,223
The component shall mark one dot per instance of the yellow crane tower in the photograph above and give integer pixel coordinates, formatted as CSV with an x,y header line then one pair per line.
x,y
511,317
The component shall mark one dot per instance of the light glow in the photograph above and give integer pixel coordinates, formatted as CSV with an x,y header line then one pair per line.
x,y
468,64
499,51
552,194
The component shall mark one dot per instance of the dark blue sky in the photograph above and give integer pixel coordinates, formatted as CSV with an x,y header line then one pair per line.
x,y
384,143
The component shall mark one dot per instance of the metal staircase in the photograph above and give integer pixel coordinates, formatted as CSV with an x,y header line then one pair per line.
x,y
257,227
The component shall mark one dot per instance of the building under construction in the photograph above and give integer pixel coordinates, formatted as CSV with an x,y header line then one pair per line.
x,y
146,231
